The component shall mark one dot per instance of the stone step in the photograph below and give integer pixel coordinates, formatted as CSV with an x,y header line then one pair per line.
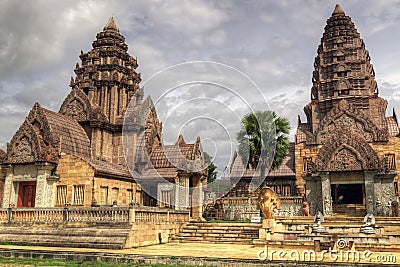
x,y
214,241
242,233
216,236
218,231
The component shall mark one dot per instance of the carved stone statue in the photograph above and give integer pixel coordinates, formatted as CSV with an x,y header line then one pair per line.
x,y
305,207
369,224
268,201
317,227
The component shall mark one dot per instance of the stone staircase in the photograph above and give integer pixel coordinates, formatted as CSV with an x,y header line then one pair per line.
x,y
350,210
104,236
219,232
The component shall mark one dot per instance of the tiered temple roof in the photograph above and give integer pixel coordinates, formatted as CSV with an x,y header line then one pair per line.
x,y
343,71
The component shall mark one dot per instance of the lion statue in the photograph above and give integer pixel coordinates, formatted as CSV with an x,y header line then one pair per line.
x,y
268,201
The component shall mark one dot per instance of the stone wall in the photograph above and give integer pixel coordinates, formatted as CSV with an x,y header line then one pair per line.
x,y
242,208
151,226
74,171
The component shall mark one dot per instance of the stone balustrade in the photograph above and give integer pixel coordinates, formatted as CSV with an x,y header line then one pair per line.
x,y
94,214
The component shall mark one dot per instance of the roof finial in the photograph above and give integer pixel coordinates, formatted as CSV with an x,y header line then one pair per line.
x,y
111,25
338,10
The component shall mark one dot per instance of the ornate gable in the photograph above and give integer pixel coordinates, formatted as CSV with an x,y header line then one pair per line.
x,y
343,152
345,118
77,106
37,119
24,146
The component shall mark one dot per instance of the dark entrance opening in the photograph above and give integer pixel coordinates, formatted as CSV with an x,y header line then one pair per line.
x,y
347,193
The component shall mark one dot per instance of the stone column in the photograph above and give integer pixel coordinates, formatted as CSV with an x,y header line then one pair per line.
x,y
197,199
384,193
44,172
326,194
8,184
369,192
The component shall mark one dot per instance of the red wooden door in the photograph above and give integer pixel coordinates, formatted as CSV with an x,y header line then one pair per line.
x,y
26,195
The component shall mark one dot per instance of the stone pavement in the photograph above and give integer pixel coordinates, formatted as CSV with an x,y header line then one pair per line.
x,y
199,254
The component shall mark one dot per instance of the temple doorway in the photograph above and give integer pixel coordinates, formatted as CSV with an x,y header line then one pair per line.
x,y
348,199
348,194
26,194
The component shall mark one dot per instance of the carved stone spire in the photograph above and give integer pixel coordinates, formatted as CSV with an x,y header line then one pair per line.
x,y
338,10
108,74
111,26
343,70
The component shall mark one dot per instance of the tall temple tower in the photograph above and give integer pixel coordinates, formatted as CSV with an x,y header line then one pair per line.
x,y
105,83
346,151
343,70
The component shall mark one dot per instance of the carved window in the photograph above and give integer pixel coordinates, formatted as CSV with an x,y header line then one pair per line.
x,y
79,192
103,195
138,199
286,190
166,198
115,193
340,58
129,196
391,160
305,160
61,195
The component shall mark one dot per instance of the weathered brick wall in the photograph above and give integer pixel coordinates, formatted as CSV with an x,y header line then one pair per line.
x,y
75,171
145,234
302,151
392,147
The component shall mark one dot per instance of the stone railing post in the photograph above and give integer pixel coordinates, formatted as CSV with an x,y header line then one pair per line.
x,y
168,218
132,215
9,215
65,214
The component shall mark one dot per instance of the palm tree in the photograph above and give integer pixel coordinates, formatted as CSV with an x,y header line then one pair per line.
x,y
212,173
262,134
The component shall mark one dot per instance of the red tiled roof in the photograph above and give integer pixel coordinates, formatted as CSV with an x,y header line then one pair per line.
x,y
300,134
393,127
152,173
169,156
108,168
286,169
72,136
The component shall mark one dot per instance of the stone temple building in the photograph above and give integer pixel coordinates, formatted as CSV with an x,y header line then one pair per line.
x,y
76,156
345,157
347,151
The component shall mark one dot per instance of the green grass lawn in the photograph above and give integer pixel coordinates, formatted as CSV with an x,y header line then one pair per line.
x,y
28,262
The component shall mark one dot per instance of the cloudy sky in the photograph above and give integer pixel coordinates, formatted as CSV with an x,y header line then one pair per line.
x,y
272,42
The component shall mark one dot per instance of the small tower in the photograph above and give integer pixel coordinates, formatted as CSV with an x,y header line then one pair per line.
x,y
108,74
